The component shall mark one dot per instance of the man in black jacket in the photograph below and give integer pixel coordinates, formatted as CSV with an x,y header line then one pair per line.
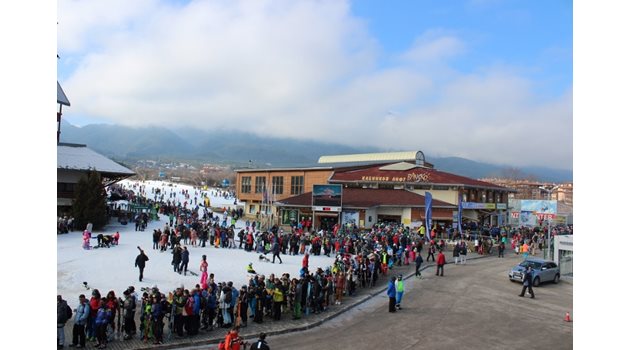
x,y
527,283
260,344
141,260
276,251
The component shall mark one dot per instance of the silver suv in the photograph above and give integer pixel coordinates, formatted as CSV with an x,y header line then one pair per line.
x,y
542,271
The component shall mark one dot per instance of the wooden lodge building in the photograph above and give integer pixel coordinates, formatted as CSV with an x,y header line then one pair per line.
x,y
375,188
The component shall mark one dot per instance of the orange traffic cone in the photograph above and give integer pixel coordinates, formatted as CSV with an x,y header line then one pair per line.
x,y
567,317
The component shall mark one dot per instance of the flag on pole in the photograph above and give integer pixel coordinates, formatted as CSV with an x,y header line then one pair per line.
x,y
459,215
428,202
265,195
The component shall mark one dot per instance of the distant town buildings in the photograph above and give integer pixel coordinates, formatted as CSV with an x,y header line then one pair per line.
x,y
535,190
527,189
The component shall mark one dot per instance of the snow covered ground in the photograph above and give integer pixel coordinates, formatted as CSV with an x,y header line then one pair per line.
x,y
113,268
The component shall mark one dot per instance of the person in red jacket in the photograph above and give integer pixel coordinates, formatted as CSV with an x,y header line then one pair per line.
x,y
305,261
441,261
232,341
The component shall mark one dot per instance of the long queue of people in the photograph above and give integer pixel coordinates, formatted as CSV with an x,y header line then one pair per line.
x,y
361,257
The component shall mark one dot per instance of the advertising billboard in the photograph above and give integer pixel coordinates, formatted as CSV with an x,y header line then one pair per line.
x,y
539,206
327,196
350,217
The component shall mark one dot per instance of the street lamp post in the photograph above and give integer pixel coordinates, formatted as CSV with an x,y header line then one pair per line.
x,y
549,191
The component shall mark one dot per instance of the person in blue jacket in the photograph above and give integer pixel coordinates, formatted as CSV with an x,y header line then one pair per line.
x,y
102,319
157,315
80,321
391,293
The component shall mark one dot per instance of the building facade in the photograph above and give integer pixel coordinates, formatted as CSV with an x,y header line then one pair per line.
x,y
75,161
378,190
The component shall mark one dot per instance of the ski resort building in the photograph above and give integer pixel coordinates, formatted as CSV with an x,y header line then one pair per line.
x,y
372,188
75,161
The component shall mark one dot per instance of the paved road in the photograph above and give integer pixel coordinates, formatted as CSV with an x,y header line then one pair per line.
x,y
472,307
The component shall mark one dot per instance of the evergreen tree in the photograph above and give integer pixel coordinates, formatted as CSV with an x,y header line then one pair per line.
x,y
90,202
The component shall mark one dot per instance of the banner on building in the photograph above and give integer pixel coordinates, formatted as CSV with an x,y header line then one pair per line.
x,y
459,214
539,206
428,213
476,205
289,216
350,217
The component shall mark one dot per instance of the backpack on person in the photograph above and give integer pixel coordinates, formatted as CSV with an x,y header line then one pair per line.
x,y
68,312
228,295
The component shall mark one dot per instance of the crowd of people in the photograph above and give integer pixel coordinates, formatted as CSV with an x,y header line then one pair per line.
x,y
361,257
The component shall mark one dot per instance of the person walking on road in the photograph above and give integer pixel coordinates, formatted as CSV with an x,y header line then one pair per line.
x,y
141,260
441,261
391,293
501,249
527,283
431,252
260,344
456,253
463,251
418,263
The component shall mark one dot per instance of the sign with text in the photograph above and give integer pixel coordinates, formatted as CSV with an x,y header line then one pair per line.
x,y
411,177
335,209
475,205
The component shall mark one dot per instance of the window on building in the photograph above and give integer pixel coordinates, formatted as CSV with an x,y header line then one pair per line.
x,y
260,184
246,184
277,184
297,184
483,196
63,187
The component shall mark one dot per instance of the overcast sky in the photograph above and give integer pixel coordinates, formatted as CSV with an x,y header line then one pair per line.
x,y
488,80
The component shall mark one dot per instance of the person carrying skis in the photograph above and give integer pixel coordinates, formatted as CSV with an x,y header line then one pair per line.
x,y
141,260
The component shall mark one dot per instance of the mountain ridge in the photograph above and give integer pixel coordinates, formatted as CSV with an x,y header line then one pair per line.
x,y
237,148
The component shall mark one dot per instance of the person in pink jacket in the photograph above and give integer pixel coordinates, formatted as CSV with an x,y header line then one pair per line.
x,y
204,272
86,239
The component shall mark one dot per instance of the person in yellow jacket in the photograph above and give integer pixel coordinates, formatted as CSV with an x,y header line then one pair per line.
x,y
400,290
278,298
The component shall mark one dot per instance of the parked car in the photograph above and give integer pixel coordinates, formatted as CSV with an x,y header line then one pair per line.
x,y
542,271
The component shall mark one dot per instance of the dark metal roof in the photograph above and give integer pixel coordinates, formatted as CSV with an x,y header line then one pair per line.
x,y
61,96
368,198
419,175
